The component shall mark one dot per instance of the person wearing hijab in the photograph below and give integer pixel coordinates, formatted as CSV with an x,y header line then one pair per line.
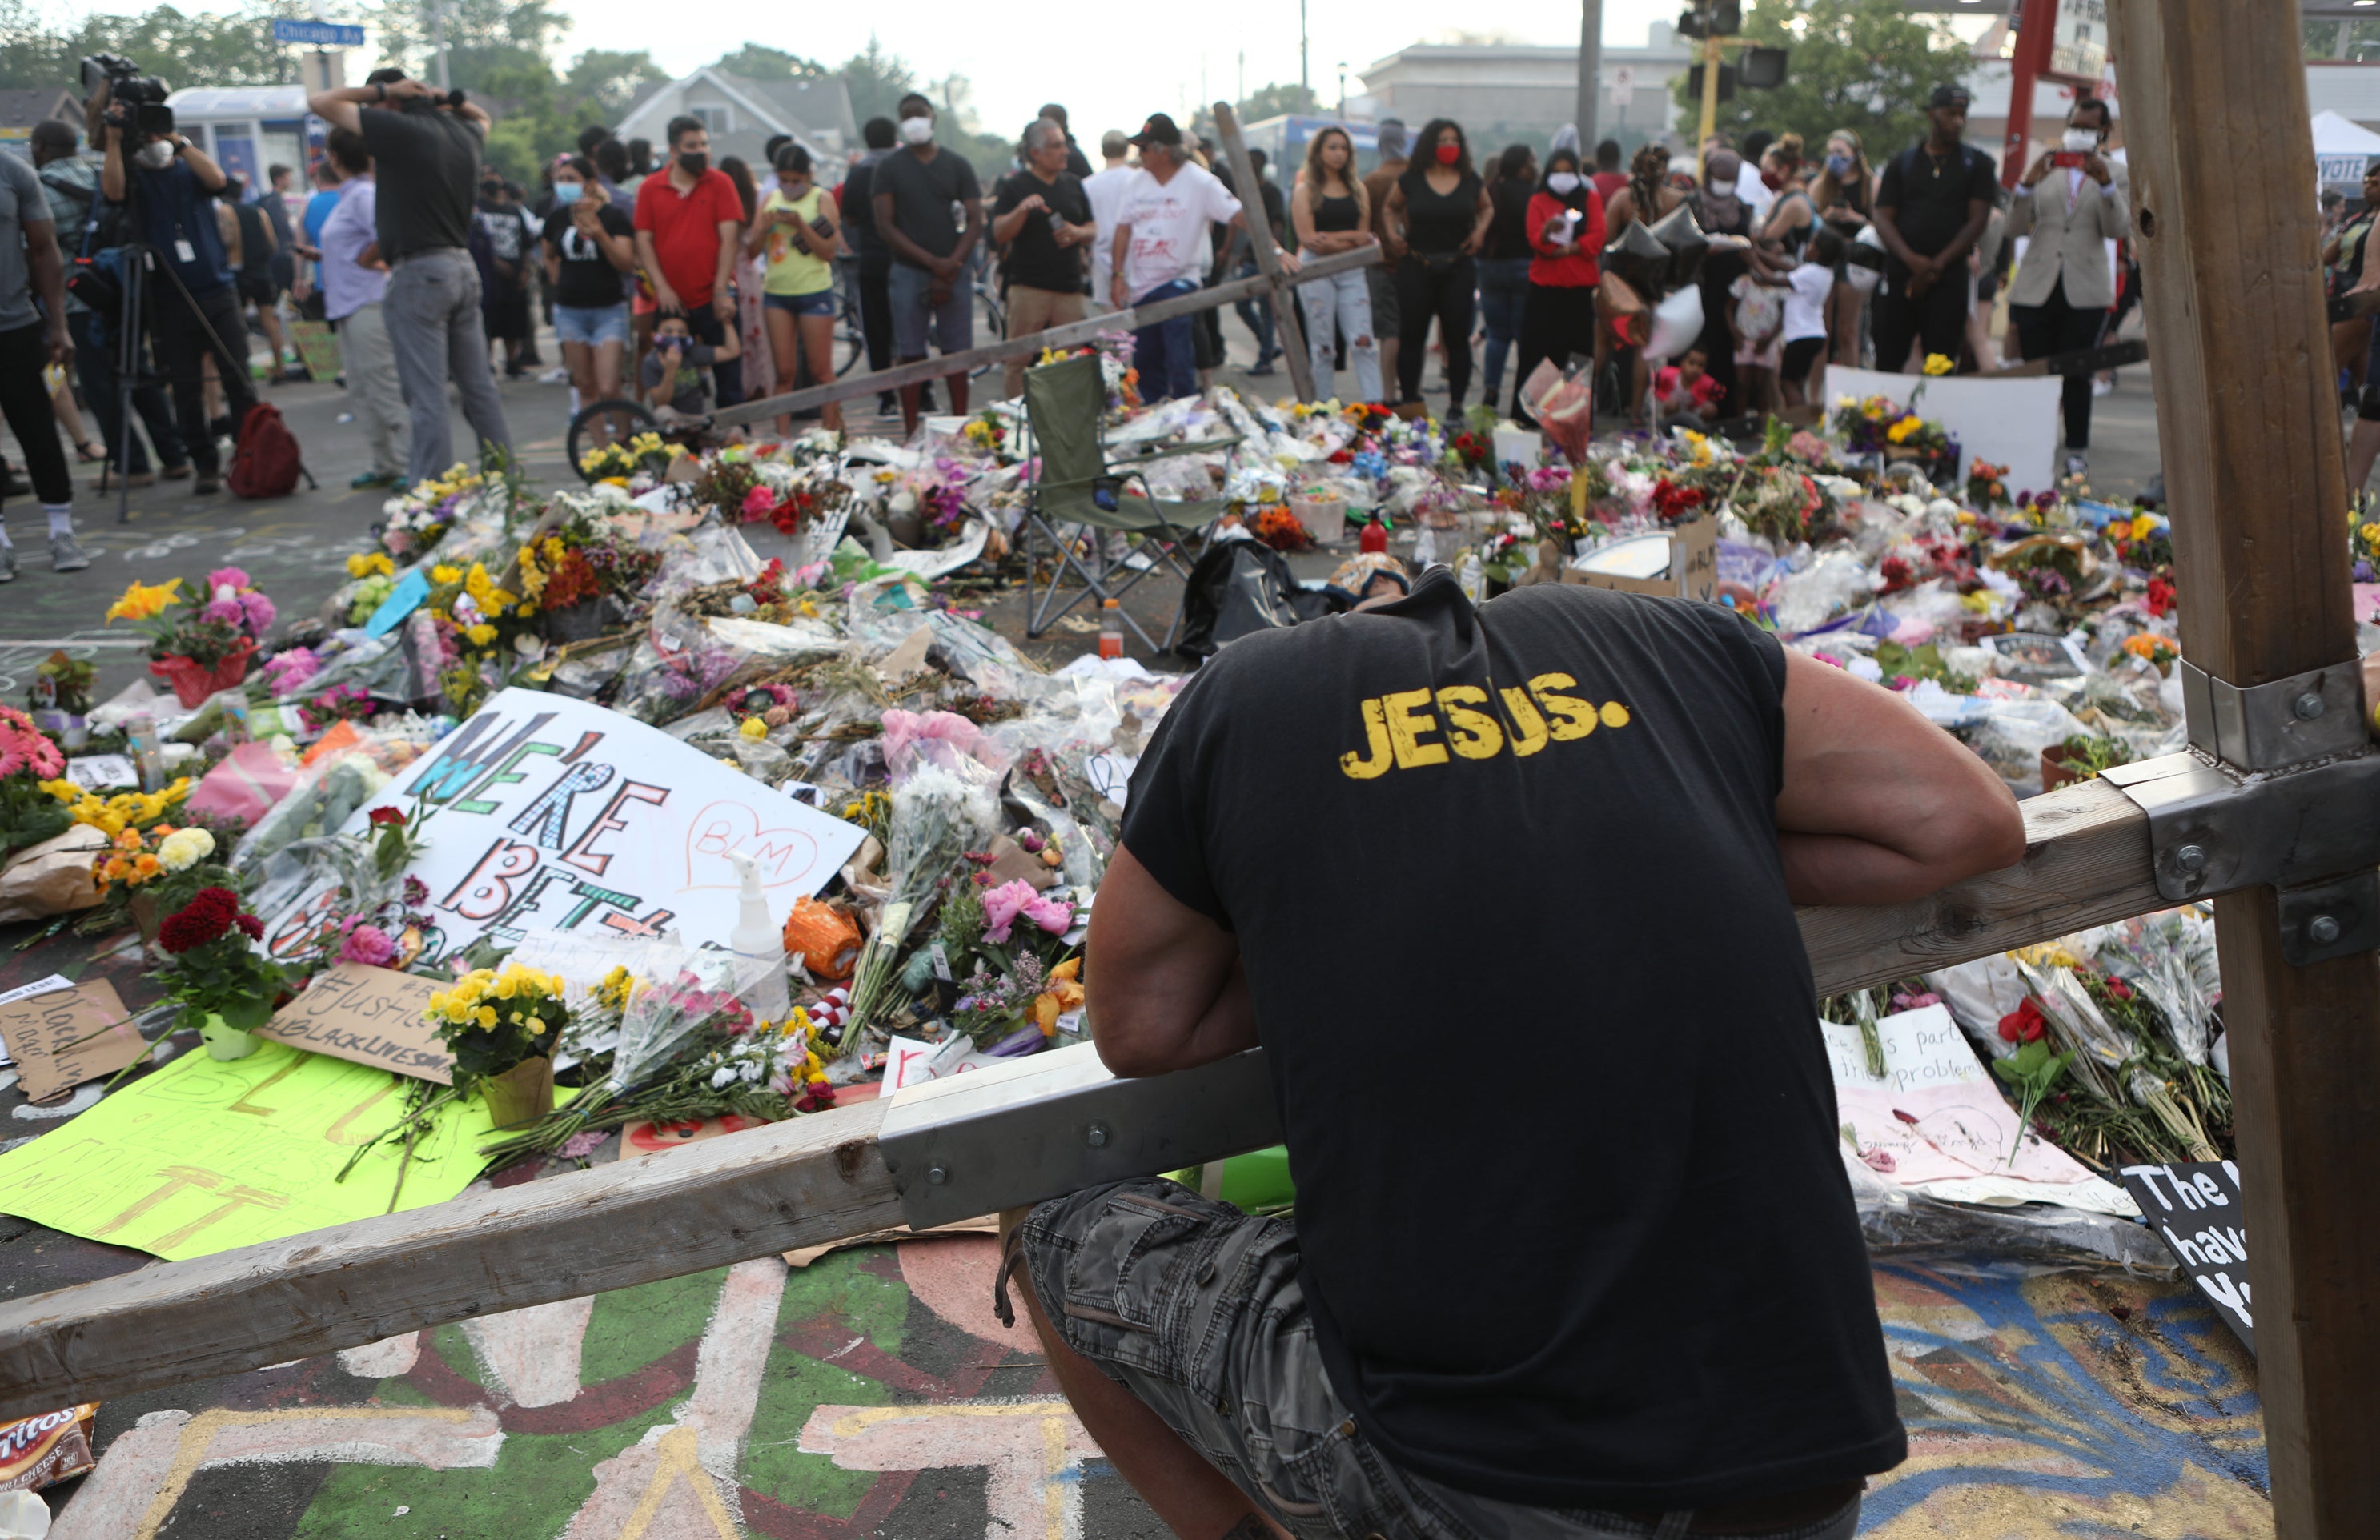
x,y
1565,225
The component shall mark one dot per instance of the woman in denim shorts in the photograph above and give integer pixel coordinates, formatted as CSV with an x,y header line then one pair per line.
x,y
799,228
589,252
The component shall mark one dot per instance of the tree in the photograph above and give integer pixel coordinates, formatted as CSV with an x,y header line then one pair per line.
x,y
1285,98
758,62
1863,64
877,80
196,48
483,37
603,81
2340,40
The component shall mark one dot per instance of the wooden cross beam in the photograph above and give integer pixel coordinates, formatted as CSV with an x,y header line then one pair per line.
x,y
1073,334
1284,297
2248,423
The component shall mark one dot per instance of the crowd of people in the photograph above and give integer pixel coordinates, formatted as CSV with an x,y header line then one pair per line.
x,y
691,286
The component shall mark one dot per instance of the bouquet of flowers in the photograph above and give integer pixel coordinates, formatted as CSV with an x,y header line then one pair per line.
x,y
1880,424
502,1028
1281,530
646,454
29,762
224,986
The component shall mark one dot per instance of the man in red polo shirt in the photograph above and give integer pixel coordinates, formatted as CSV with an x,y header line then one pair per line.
x,y
687,224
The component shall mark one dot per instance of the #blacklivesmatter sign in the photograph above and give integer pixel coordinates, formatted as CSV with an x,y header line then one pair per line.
x,y
547,813
2196,1205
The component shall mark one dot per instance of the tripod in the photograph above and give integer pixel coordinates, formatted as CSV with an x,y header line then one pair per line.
x,y
136,261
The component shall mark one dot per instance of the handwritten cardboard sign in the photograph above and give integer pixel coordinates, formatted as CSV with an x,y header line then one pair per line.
x,y
553,814
913,1061
369,1016
2196,1205
63,1033
1692,571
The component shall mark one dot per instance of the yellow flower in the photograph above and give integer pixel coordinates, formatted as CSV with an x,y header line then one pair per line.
x,y
480,634
144,600
1939,363
443,575
1901,431
754,728
507,987
487,1017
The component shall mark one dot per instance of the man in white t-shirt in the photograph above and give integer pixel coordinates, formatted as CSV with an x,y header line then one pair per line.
x,y
1161,232
1105,190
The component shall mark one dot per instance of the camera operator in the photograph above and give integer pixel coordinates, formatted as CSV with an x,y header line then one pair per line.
x,y
33,336
172,183
425,150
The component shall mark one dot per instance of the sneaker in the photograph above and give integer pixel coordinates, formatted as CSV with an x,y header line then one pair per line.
x,y
2076,464
206,486
1260,369
175,473
138,478
373,478
66,554
8,564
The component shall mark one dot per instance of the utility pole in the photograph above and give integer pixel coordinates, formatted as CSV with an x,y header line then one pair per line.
x,y
1590,70
2035,31
438,41
1304,78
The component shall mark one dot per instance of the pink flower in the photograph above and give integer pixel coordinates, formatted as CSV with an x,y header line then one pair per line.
x,y
233,577
259,613
368,943
283,672
1052,914
758,503
227,611
1002,905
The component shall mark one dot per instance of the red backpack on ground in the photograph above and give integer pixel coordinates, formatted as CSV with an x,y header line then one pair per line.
x,y
266,462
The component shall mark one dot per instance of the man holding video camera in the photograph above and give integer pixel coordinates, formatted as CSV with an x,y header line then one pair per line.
x,y
425,150
171,184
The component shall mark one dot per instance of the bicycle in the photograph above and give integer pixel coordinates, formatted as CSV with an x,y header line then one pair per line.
x,y
623,418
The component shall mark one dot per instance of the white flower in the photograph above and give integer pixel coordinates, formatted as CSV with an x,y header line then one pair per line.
x,y
185,848
904,502
721,1076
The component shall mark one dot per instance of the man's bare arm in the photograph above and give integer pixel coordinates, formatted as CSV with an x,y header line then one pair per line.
x,y
1879,805
1162,982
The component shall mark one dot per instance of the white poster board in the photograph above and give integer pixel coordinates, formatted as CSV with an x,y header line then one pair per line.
x,y
2009,423
553,814
1935,1122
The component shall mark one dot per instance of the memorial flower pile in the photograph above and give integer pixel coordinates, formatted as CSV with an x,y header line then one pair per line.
x,y
492,1021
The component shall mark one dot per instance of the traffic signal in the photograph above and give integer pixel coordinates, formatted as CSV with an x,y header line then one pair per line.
x,y
1725,83
1693,24
1725,18
1763,68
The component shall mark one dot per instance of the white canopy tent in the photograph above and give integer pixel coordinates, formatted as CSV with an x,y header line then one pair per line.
x,y
2342,149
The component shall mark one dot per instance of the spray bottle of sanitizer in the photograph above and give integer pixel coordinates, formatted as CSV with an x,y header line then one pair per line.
x,y
754,939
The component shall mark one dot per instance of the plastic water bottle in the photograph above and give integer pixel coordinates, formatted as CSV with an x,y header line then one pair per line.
x,y
148,759
1110,629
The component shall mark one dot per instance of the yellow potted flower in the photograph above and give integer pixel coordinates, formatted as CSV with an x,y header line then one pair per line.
x,y
502,1028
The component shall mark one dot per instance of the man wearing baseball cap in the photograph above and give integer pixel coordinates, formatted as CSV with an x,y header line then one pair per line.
x,y
1935,197
1167,210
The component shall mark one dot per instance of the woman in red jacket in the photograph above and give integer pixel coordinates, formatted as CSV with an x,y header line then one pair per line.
x,y
1565,226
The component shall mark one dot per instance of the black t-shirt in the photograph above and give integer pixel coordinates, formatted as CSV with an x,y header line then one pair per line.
x,y
1439,223
1573,1226
588,279
428,170
922,194
1928,197
1035,258
255,262
1508,229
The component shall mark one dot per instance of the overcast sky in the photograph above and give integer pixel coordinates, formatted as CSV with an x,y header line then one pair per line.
x,y
1109,75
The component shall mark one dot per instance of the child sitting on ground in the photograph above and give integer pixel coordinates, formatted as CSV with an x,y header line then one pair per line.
x,y
676,375
1685,392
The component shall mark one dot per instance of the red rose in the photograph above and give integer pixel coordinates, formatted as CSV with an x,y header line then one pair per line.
x,y
2118,989
250,925
383,817
2023,1024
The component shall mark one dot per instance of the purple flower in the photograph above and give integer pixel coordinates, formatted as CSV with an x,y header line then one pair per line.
x,y
226,611
417,893
259,613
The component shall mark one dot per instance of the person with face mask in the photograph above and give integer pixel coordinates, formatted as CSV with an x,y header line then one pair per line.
x,y
689,223
2071,205
1438,214
425,151
590,242
914,189
1565,226
1844,195
174,185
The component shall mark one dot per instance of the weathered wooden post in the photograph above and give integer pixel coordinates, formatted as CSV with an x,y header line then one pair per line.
x,y
1283,296
2223,191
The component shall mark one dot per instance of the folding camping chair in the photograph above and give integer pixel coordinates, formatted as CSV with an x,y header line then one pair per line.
x,y
1080,486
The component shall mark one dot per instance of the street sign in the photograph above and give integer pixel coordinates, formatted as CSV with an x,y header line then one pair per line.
x,y
2078,48
318,34
1624,84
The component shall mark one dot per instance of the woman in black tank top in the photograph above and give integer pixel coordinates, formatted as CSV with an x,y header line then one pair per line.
x,y
1330,213
1438,214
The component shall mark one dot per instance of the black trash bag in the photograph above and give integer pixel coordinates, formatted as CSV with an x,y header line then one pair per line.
x,y
1682,234
1238,588
1640,259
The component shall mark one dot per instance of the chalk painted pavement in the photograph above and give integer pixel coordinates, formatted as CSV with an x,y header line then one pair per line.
x,y
873,1393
